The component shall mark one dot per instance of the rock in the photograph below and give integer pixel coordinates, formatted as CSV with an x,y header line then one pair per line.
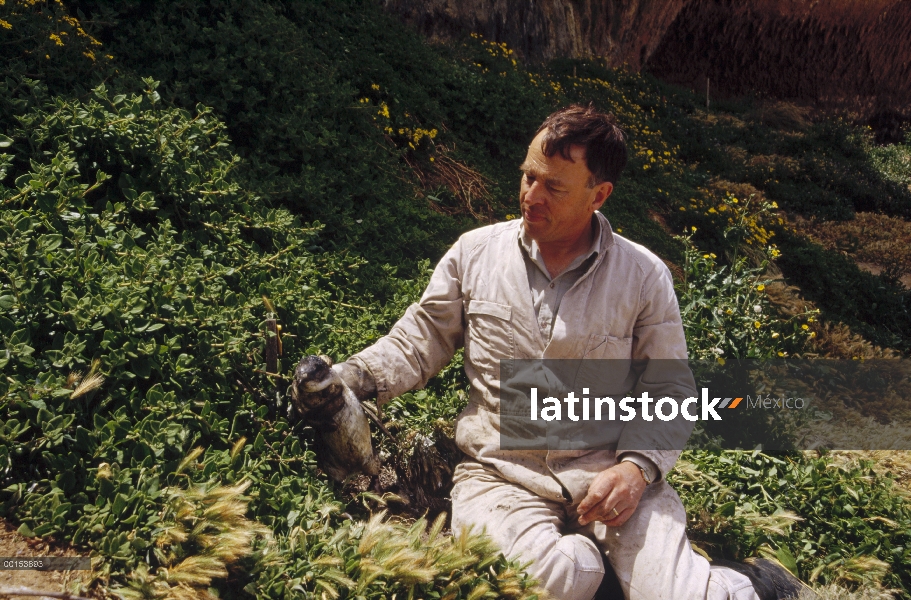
x,y
623,31
852,54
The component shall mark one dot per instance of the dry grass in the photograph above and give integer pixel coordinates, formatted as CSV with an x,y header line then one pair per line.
x,y
468,186
782,115
836,592
203,532
416,554
879,240
832,340
713,119
783,165
736,153
740,190
896,463
861,434
84,385
836,340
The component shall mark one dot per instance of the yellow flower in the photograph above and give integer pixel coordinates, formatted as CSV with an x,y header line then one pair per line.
x,y
757,324
812,334
781,354
804,326
705,256
720,361
775,335
760,287
5,24
693,229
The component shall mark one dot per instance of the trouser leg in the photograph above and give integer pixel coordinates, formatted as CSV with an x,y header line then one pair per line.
x,y
527,528
650,553
653,558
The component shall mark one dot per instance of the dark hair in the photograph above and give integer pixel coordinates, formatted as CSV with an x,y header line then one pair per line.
x,y
597,132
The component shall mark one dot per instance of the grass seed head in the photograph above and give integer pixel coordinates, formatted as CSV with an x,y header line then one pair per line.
x,y
92,382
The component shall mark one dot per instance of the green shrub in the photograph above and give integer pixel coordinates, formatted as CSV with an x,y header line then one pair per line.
x,y
726,313
893,161
825,523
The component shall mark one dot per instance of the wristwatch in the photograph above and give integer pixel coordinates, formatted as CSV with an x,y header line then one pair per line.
x,y
644,475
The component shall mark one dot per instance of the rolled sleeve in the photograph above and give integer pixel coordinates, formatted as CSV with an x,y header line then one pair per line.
x,y
424,340
658,336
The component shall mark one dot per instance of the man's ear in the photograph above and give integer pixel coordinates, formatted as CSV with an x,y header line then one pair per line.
x,y
602,192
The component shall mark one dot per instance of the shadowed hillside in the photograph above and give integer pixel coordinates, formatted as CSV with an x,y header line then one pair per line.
x,y
839,53
623,31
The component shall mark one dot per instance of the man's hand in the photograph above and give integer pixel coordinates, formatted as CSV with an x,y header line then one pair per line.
x,y
309,397
619,487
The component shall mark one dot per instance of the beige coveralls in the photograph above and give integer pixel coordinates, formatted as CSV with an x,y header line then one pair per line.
x,y
622,307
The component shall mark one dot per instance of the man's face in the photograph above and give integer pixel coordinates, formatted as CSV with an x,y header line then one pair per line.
x,y
555,199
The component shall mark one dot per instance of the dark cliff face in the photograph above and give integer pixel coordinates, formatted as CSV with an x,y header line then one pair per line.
x,y
623,31
853,54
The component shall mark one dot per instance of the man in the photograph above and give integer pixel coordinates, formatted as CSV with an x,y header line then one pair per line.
x,y
560,284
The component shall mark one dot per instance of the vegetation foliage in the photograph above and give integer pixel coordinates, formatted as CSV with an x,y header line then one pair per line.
x,y
163,168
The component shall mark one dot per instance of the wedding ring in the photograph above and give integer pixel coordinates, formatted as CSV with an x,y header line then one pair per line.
x,y
614,510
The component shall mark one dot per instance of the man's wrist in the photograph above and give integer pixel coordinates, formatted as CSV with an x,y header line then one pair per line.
x,y
646,467
358,379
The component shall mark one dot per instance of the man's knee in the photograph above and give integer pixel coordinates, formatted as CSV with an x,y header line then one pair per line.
x,y
571,567
527,528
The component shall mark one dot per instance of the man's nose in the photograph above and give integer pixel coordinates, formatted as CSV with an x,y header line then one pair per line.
x,y
535,194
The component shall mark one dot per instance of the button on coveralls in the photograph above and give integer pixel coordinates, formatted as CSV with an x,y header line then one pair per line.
x,y
623,307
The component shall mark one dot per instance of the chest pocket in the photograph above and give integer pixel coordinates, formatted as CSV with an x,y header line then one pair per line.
x,y
490,335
